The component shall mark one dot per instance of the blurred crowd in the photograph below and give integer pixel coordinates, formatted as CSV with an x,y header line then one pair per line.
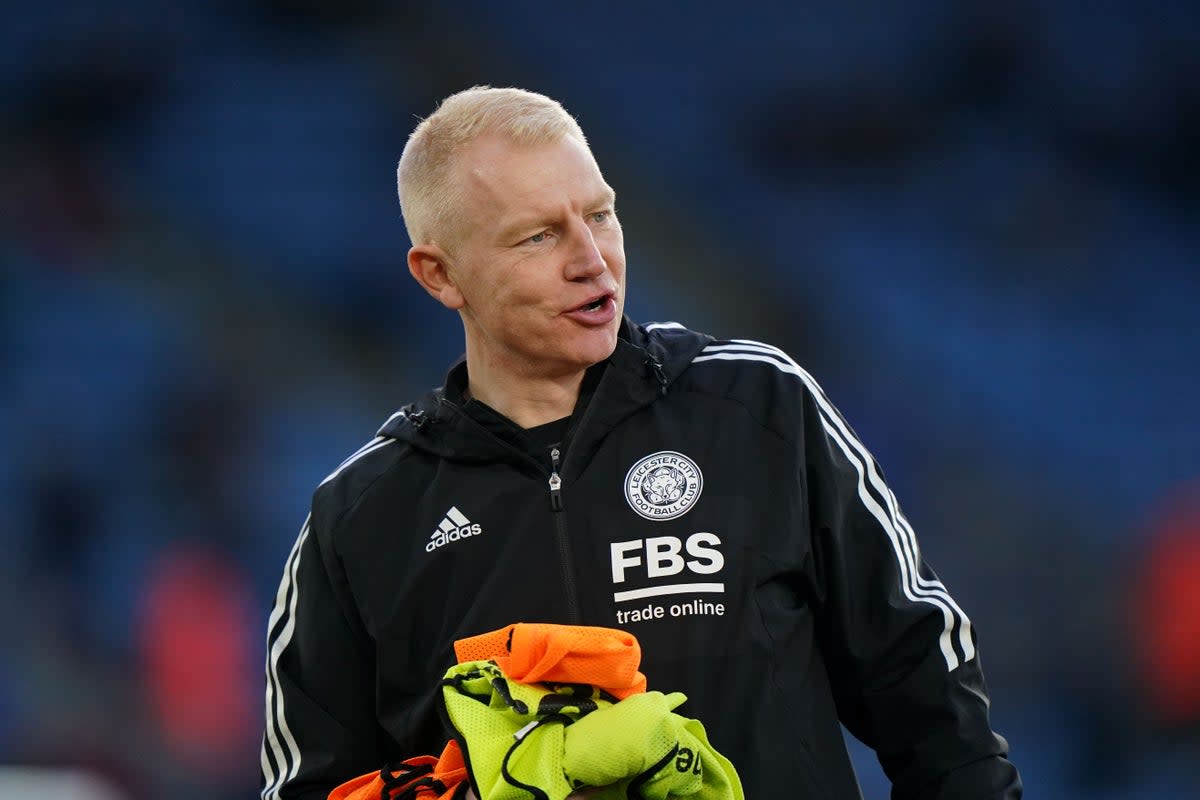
x,y
976,224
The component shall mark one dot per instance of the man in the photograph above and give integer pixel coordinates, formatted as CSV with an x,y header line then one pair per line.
x,y
577,468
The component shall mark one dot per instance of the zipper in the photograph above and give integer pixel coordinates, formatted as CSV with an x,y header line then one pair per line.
x,y
560,519
556,506
564,541
556,501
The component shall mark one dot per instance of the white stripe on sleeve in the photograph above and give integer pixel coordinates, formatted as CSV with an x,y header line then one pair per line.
x,y
916,587
278,734
276,722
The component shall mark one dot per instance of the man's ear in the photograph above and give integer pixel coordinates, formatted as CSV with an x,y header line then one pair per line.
x,y
429,266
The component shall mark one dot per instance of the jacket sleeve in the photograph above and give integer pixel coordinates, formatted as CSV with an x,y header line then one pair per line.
x,y
320,723
901,654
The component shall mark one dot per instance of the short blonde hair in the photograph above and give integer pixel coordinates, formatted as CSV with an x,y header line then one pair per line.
x,y
429,197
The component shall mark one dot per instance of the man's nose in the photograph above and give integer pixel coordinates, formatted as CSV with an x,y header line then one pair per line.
x,y
586,260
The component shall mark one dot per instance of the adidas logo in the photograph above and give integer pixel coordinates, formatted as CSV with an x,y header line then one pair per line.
x,y
454,526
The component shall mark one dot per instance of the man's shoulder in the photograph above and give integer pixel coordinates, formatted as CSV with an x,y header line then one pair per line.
x,y
741,364
361,469
733,353
760,378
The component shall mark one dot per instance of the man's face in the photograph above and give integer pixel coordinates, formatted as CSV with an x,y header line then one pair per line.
x,y
541,261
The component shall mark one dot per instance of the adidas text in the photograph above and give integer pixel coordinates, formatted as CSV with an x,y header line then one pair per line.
x,y
453,535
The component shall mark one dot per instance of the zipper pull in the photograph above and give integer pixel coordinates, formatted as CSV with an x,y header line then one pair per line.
x,y
556,502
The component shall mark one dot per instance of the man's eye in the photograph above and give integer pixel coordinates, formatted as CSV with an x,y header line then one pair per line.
x,y
600,216
537,238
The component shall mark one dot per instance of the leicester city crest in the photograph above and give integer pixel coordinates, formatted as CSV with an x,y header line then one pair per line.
x,y
663,485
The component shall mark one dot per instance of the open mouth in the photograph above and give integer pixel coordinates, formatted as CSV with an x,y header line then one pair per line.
x,y
596,304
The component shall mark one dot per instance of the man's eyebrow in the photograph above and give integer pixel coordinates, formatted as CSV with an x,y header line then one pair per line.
x,y
531,223
606,198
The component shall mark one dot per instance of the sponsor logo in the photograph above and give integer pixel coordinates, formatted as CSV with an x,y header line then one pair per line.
x,y
660,557
663,485
454,526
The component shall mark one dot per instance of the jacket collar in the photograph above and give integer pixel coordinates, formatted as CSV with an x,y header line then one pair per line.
x,y
646,361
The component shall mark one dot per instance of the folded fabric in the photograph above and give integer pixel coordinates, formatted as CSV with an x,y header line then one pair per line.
x,y
531,652
520,742
419,778
543,710
617,746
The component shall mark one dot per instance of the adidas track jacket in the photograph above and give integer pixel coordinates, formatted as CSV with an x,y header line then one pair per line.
x,y
710,500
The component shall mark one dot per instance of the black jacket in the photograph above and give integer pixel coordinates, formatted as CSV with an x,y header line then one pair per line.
x,y
710,500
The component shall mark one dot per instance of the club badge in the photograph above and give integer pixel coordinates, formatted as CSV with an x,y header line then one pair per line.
x,y
663,485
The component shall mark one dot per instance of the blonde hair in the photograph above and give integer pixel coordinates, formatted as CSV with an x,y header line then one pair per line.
x,y
429,197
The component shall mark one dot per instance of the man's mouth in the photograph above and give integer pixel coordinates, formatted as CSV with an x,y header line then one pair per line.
x,y
594,304
595,312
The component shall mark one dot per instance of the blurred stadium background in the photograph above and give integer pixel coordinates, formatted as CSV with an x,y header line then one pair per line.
x,y
976,223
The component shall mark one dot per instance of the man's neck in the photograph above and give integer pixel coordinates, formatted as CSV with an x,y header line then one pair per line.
x,y
527,401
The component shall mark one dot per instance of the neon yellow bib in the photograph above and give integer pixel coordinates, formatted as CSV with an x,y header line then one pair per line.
x,y
544,741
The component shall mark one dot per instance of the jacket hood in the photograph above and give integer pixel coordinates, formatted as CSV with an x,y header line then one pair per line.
x,y
646,361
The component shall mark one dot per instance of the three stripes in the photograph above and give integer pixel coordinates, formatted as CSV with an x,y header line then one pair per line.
x,y
881,503
278,734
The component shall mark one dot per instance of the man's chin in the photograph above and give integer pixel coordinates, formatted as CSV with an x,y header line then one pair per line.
x,y
596,351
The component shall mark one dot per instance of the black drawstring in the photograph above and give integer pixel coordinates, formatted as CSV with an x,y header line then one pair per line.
x,y
415,417
402,781
657,368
